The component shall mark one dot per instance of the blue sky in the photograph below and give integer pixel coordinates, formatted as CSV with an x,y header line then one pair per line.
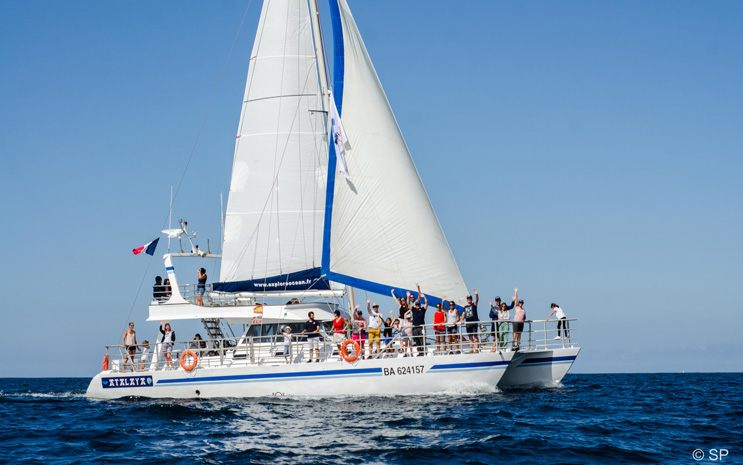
x,y
589,153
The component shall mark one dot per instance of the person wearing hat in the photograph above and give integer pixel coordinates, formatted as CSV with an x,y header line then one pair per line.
x,y
145,354
375,327
469,315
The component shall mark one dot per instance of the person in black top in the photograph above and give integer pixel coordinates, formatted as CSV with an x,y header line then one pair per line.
x,y
158,290
311,329
470,317
419,319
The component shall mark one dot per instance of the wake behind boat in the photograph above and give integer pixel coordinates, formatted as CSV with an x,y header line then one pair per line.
x,y
305,191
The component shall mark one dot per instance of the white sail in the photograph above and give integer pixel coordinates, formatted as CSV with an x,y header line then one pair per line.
x,y
276,203
384,230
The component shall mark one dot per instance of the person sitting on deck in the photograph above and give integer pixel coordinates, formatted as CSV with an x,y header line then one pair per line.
x,y
167,289
158,290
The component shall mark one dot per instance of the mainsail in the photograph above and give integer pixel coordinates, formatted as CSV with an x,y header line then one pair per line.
x,y
273,225
381,231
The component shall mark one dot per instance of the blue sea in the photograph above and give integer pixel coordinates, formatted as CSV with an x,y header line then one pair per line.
x,y
589,419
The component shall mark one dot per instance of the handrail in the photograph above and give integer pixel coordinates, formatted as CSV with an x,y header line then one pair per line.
x,y
259,350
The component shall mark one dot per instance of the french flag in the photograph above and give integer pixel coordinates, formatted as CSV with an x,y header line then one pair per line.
x,y
148,248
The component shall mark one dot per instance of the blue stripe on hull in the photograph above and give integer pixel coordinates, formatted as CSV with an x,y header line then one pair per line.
x,y
274,376
543,361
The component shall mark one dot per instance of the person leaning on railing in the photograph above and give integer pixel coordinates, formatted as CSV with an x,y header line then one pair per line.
x,y
562,320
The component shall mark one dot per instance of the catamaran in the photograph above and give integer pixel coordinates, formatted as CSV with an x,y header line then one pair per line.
x,y
322,195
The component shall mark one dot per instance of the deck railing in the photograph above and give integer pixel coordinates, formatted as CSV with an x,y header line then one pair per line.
x,y
270,350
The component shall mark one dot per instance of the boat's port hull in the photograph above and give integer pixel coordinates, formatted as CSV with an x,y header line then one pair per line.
x,y
401,375
538,368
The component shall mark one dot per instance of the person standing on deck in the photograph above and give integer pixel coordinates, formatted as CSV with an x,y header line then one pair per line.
x,y
452,320
469,315
419,319
518,321
312,330
402,303
167,343
129,341
358,330
201,286
561,320
495,316
375,327
339,329
158,290
439,328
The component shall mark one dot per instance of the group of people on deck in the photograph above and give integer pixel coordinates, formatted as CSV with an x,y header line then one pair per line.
x,y
447,320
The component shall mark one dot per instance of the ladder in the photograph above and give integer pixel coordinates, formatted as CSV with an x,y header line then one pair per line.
x,y
212,328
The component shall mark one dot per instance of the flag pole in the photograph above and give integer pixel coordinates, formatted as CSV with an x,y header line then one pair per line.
x,y
170,215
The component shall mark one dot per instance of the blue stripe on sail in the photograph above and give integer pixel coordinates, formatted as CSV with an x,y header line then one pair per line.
x,y
378,288
298,281
338,71
271,376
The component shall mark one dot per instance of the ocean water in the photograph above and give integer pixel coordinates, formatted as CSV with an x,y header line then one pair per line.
x,y
590,419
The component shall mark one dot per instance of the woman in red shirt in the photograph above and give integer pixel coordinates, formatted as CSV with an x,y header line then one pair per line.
x,y
339,329
439,318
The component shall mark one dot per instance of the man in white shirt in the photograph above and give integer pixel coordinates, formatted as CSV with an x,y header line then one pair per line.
x,y
375,327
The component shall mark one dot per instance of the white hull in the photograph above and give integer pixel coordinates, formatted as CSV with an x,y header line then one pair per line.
x,y
401,375
538,368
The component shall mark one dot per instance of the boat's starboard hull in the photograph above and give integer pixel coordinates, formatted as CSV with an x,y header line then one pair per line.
x,y
390,376
538,368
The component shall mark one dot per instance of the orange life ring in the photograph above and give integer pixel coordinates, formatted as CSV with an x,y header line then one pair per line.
x,y
194,358
350,358
105,362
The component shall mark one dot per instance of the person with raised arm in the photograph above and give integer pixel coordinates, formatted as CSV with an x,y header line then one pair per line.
x,y
375,327
469,315
495,316
419,320
167,341
402,303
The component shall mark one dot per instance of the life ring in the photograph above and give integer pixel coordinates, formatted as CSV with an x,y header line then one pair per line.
x,y
105,362
344,353
194,359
